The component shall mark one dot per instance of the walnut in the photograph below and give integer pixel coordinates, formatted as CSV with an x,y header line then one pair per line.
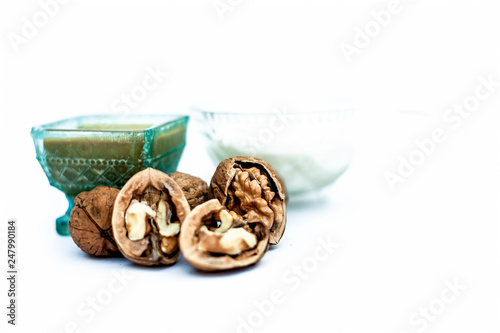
x,y
195,189
250,189
147,216
90,221
212,240
136,219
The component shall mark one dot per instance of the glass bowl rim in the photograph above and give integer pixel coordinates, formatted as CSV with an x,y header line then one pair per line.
x,y
175,118
270,113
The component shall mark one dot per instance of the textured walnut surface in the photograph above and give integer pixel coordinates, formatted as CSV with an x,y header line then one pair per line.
x,y
250,188
195,189
90,221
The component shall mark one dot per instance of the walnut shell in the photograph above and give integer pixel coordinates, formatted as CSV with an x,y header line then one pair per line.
x,y
195,189
90,222
204,215
249,187
149,187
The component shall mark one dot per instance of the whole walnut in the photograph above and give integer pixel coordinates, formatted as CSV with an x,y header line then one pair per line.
x,y
90,222
195,189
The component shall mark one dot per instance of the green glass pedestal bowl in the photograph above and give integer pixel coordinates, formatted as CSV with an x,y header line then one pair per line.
x,y
81,153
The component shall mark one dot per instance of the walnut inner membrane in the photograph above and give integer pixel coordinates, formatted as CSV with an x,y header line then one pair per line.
x,y
152,224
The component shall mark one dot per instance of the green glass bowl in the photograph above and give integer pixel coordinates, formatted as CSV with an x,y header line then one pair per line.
x,y
81,153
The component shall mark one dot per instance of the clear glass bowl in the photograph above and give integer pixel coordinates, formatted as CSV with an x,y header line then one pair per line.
x,y
81,153
309,150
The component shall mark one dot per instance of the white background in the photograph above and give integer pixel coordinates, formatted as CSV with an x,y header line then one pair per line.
x,y
397,249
